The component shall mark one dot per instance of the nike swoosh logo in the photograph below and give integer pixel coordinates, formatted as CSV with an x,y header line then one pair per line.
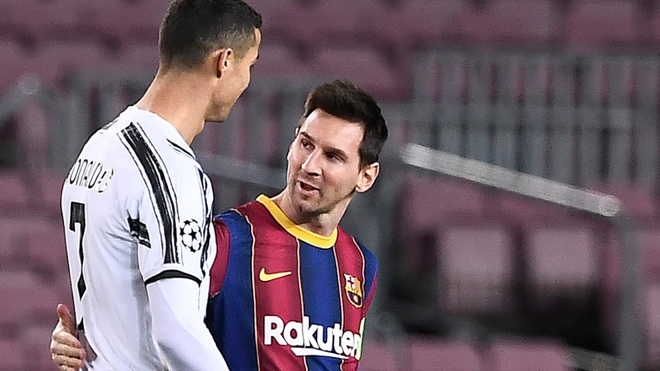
x,y
265,277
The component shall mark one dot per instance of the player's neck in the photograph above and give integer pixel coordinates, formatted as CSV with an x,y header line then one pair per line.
x,y
180,100
322,224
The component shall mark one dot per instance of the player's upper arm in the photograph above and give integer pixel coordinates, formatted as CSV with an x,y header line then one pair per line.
x,y
175,209
219,268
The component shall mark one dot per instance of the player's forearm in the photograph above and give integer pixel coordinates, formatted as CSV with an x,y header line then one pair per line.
x,y
178,328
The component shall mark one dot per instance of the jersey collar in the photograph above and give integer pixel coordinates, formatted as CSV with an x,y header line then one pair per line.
x,y
172,135
296,230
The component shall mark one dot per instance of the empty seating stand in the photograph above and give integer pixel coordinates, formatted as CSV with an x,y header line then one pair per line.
x,y
561,267
378,355
428,354
525,355
476,269
593,25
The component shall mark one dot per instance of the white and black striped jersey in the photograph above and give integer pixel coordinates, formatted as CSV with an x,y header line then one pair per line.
x,y
137,209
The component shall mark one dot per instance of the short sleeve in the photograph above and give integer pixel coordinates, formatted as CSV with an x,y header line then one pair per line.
x,y
219,268
176,210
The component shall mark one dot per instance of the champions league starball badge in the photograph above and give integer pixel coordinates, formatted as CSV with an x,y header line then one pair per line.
x,y
191,235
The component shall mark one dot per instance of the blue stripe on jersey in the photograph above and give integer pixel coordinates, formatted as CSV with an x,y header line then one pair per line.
x,y
320,296
231,306
370,269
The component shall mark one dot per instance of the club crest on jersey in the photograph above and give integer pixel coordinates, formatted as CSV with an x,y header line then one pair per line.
x,y
191,235
353,289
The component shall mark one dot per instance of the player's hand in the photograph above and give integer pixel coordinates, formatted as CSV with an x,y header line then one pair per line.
x,y
65,350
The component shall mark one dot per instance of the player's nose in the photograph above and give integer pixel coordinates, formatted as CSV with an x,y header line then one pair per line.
x,y
312,163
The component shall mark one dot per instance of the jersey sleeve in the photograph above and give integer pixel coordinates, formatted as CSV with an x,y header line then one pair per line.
x,y
175,210
219,268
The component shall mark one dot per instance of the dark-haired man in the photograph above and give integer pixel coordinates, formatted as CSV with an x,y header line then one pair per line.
x,y
289,288
137,205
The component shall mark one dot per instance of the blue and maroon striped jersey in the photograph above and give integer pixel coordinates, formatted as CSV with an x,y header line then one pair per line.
x,y
284,298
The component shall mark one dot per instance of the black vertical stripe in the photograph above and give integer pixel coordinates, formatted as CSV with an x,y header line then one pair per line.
x,y
203,179
156,178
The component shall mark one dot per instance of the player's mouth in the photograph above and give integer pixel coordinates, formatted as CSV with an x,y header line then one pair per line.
x,y
307,188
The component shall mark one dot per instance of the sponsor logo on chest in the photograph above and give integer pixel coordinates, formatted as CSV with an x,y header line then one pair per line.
x,y
309,339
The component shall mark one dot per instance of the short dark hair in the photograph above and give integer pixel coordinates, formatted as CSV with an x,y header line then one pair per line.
x,y
192,29
342,99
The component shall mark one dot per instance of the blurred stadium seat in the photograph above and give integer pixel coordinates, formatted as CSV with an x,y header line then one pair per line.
x,y
509,22
38,19
11,356
34,341
377,356
279,59
124,21
32,301
592,25
528,355
367,67
519,210
15,194
46,250
476,269
15,63
56,60
411,23
651,326
430,201
561,266
428,354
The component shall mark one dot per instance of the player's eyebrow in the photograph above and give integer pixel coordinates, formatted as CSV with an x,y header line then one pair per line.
x,y
334,150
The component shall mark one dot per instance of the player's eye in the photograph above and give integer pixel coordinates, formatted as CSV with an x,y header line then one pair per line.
x,y
306,144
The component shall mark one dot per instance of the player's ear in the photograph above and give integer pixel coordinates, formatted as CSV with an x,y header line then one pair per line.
x,y
224,58
367,177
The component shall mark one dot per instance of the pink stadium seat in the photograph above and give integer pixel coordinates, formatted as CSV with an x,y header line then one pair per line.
x,y
411,22
593,24
476,269
651,326
46,249
377,356
136,57
11,356
433,354
325,21
34,341
509,21
31,300
277,59
278,17
520,210
15,63
12,235
613,270
424,205
561,264
529,355
40,19
50,185
14,193
363,65
427,202
127,21
56,59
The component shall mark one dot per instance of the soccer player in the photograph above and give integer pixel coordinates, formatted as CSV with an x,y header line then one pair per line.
x,y
289,288
137,205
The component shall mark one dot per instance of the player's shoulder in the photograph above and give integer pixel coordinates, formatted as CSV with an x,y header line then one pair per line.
x,y
345,237
238,213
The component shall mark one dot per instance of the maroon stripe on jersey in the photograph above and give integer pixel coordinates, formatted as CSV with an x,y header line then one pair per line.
x,y
351,266
277,295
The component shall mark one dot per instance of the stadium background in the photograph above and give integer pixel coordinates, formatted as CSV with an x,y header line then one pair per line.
x,y
472,277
